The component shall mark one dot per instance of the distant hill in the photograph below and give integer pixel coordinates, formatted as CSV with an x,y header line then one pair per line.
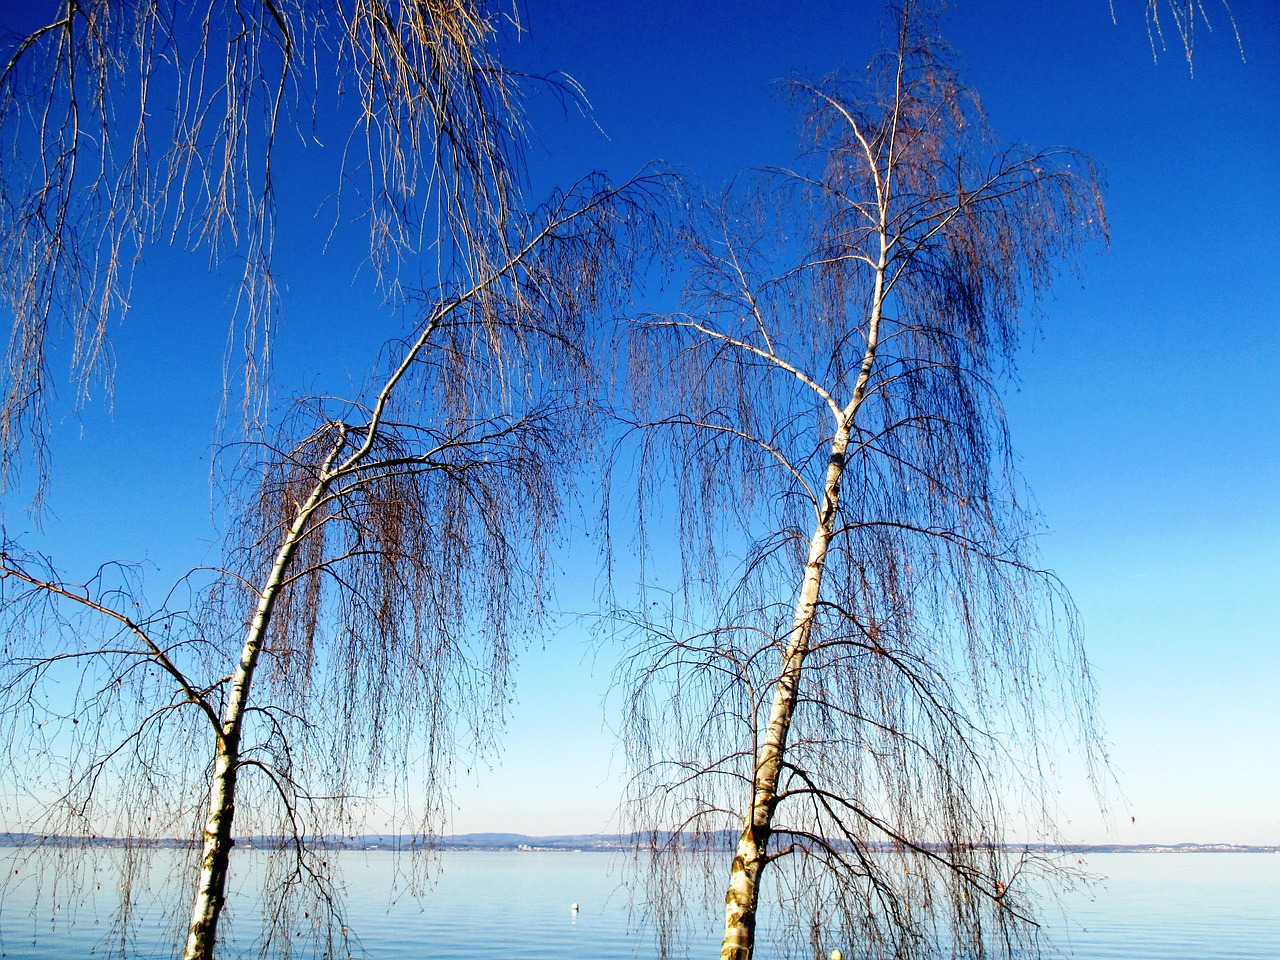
x,y
587,842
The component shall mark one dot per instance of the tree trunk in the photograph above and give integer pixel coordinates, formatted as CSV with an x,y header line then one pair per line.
x,y
218,841
215,857
743,895
211,891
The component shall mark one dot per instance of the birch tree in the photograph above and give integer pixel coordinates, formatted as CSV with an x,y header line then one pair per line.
x,y
384,553
376,589
866,678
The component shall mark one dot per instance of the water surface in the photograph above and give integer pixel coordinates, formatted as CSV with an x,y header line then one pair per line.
x,y
518,906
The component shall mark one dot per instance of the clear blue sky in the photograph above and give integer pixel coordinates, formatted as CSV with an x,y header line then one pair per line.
x,y
1145,413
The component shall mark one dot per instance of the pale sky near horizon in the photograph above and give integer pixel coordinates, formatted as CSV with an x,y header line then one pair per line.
x,y
1145,412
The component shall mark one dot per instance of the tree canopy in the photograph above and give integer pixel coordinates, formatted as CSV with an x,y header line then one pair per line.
x,y
866,667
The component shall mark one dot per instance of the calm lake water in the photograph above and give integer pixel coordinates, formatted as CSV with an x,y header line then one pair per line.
x,y
1202,906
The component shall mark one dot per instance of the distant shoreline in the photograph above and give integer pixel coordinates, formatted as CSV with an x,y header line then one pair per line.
x,y
582,843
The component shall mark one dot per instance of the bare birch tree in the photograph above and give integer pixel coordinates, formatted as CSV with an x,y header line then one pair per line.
x,y
868,673
376,589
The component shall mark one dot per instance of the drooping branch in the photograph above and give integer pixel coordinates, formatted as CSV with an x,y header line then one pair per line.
x,y
131,124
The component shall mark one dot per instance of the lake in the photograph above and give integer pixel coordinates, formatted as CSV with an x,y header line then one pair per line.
x,y
512,905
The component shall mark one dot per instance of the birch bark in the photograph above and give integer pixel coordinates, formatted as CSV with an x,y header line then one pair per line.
x,y
211,888
742,897
752,856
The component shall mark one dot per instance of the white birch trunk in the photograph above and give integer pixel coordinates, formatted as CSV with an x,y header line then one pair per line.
x,y
211,888
215,857
743,895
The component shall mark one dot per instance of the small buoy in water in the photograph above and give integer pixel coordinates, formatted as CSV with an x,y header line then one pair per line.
x,y
574,908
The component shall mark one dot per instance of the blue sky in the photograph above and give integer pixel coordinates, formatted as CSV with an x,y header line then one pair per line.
x,y
1144,412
